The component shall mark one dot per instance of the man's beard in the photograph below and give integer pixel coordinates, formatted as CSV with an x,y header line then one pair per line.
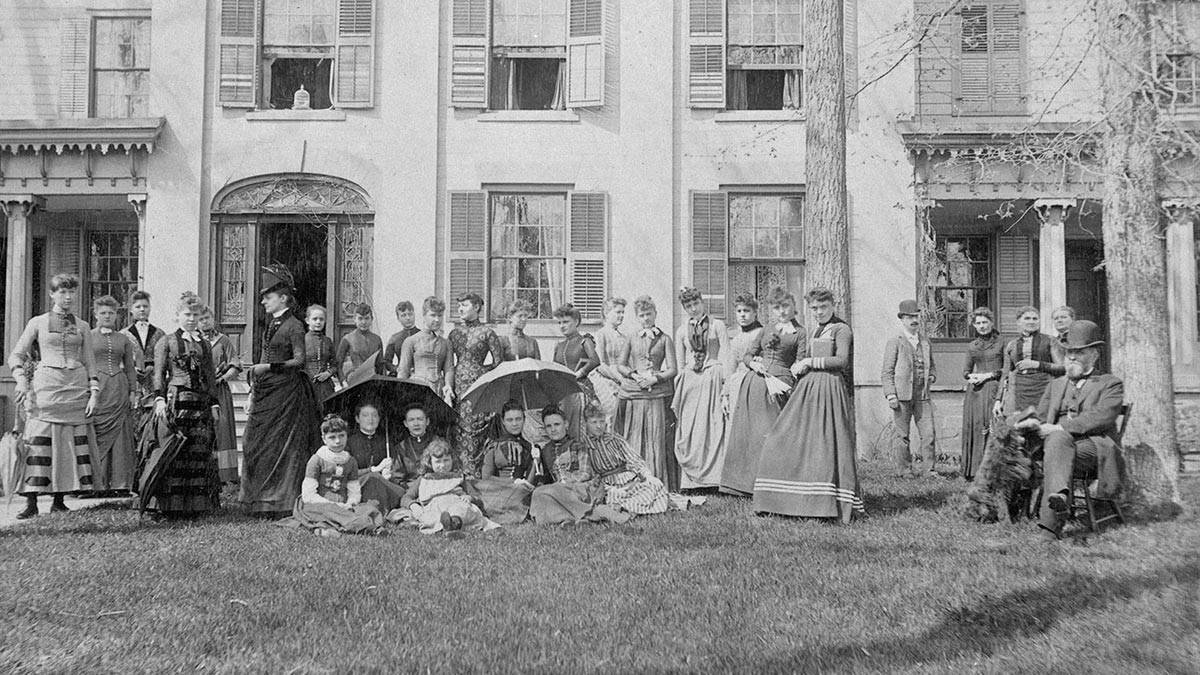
x,y
1075,370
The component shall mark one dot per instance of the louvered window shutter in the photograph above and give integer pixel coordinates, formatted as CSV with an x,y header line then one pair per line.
x,y
1015,269
354,64
468,244
990,74
469,53
238,54
64,251
585,53
1007,74
75,65
706,53
588,258
710,251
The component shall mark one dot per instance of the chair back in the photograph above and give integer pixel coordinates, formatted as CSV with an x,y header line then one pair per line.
x,y
1125,410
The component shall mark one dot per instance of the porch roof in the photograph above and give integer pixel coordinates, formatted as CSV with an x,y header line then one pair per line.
x,y
59,135
966,135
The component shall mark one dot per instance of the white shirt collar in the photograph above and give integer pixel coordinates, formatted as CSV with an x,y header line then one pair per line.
x,y
279,313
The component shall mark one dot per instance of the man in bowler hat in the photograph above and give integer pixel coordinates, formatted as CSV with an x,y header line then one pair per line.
x,y
1078,420
908,372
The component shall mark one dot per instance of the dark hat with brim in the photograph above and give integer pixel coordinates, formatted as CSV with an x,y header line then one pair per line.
x,y
275,279
1083,334
907,307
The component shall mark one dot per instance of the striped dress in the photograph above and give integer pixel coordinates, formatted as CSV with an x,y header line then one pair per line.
x,y
626,479
59,438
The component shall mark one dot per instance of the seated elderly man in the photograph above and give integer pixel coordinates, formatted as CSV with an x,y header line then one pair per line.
x,y
1078,420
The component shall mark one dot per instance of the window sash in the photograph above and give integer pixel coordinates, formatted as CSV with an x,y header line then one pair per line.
x,y
513,24
955,296
299,22
756,234
121,43
765,22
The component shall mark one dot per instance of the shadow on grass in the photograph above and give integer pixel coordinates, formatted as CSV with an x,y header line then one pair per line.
x,y
114,518
886,502
996,622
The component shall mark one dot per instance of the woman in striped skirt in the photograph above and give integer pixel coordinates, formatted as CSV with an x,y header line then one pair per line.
x,y
185,385
626,479
59,397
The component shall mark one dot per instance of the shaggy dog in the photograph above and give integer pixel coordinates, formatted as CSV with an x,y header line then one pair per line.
x,y
1008,473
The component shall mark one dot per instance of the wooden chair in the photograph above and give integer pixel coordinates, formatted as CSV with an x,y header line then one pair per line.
x,y
1081,496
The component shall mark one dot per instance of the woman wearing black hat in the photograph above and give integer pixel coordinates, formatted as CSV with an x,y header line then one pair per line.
x,y
282,430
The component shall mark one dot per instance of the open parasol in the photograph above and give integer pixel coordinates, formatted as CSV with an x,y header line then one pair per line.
x,y
392,395
532,382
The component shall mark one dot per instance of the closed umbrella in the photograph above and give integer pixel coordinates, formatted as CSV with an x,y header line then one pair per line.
x,y
532,382
160,445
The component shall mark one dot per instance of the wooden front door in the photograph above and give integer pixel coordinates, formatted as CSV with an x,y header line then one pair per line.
x,y
1087,288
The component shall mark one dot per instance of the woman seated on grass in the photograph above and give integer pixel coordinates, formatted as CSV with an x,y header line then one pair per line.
x,y
330,501
573,497
510,471
627,481
370,446
442,499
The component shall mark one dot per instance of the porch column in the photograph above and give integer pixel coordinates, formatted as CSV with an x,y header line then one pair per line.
x,y
138,202
17,209
1052,256
1181,281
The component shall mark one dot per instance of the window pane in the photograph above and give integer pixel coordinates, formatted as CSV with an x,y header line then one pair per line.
x,y
531,225
112,266
766,226
538,281
122,93
122,43
760,279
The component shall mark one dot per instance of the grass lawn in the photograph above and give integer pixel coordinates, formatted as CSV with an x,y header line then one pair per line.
x,y
913,588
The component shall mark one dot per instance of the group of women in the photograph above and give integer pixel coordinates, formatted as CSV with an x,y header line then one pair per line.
x,y
1007,377
757,411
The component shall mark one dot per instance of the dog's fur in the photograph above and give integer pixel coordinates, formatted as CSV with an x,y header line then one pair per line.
x,y
1007,475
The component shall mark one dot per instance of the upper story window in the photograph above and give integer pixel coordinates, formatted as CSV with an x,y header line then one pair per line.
x,y
543,246
104,66
270,49
527,54
746,54
765,55
121,67
989,78
1177,47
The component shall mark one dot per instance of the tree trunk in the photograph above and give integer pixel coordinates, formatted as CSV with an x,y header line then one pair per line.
x,y
827,248
1135,249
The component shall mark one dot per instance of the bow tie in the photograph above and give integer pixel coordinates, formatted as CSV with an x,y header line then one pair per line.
x,y
785,328
191,336
697,322
649,332
106,331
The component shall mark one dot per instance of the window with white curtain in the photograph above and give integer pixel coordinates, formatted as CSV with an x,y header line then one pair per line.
x,y
528,251
764,54
529,55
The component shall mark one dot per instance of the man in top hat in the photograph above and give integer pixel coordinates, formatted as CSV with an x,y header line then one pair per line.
x,y
908,373
1078,416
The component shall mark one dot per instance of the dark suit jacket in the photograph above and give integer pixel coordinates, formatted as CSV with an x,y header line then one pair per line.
x,y
1095,418
897,374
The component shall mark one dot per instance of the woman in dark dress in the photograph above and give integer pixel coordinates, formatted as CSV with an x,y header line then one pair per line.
x,y
985,361
282,431
756,407
510,469
320,364
472,341
185,389
116,368
577,351
1029,365
808,466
